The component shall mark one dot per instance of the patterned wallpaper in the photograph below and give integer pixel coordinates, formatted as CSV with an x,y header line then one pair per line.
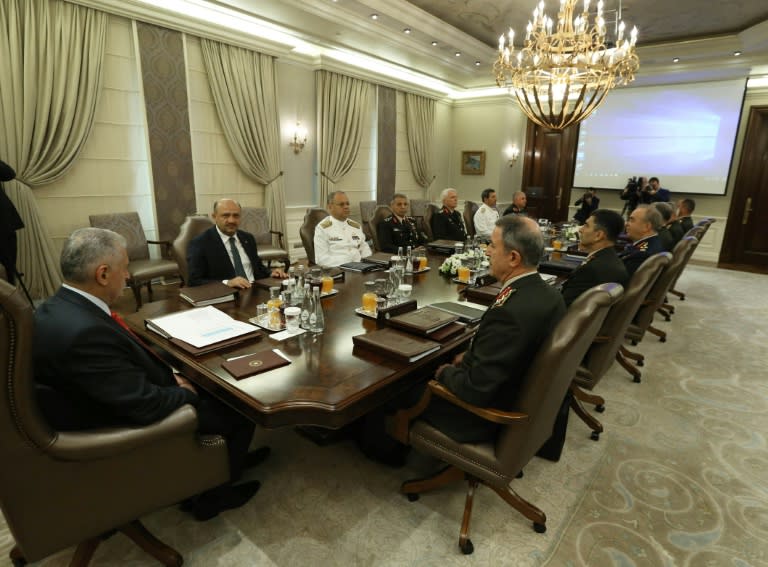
x,y
165,95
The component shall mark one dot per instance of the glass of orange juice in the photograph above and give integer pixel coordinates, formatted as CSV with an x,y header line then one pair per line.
x,y
327,284
369,302
463,274
422,263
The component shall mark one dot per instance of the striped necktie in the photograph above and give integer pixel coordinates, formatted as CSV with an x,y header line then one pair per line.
x,y
239,269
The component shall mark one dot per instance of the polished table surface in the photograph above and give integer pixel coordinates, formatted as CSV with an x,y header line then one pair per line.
x,y
328,383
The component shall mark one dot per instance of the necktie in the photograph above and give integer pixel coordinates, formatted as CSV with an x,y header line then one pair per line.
x,y
239,269
120,321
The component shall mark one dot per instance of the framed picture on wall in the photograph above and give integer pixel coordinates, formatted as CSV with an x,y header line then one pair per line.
x,y
473,163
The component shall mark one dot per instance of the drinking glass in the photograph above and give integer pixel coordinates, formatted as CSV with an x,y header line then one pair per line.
x,y
404,290
463,273
327,282
292,315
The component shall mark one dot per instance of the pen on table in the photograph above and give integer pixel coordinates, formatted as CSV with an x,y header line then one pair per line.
x,y
236,357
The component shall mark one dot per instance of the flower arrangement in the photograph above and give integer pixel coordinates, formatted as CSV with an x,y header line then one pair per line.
x,y
450,265
571,232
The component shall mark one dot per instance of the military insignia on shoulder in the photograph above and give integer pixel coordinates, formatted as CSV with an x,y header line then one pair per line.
x,y
501,299
642,246
353,224
326,223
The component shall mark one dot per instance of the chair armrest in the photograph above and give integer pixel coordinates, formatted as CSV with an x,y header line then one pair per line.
x,y
601,339
108,442
279,237
399,424
166,244
488,414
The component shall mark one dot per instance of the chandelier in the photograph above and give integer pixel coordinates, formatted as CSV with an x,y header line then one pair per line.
x,y
561,77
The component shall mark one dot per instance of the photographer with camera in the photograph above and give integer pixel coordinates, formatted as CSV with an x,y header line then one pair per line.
x,y
633,194
589,202
655,193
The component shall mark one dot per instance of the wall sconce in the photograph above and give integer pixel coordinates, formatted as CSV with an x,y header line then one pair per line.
x,y
513,152
299,138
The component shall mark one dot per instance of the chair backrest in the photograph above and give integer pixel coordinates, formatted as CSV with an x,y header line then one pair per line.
x,y
550,374
430,211
418,208
382,212
470,208
307,231
128,225
367,209
658,291
256,221
688,255
193,226
602,352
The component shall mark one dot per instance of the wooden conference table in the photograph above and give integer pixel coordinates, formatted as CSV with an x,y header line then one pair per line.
x,y
328,383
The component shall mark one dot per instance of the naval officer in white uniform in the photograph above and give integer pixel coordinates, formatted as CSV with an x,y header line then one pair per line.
x,y
339,239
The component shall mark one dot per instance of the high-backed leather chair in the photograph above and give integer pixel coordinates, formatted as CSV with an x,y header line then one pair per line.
x,y
307,231
429,211
643,321
470,208
256,221
418,208
524,428
141,268
698,233
367,209
60,488
381,212
603,351
194,225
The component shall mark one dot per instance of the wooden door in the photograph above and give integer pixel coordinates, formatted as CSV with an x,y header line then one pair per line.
x,y
745,242
550,156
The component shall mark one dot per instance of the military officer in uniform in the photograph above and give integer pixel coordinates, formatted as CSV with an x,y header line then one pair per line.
x,y
641,228
448,224
339,239
486,216
398,229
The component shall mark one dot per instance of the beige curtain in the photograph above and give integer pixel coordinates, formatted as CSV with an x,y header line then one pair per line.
x,y
244,89
420,129
342,103
51,55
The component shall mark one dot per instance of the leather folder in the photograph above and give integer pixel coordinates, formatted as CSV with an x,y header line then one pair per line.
x,y
253,364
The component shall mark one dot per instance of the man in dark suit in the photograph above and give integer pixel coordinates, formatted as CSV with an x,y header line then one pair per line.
x,y
685,208
597,236
641,229
518,206
524,313
226,254
448,224
93,372
10,222
666,238
398,229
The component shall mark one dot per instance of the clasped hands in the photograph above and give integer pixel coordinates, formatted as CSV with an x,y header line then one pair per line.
x,y
455,362
243,283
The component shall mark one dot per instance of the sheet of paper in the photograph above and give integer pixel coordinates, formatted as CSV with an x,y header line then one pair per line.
x,y
202,326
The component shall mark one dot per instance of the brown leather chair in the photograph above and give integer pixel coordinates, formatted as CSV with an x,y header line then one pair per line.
x,y
3,273
525,428
603,351
367,210
194,225
643,321
307,231
141,268
470,208
698,232
60,488
418,208
429,211
381,212
256,221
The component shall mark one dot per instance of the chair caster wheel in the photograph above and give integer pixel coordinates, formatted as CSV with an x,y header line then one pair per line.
x,y
595,436
539,528
634,343
519,475
667,318
412,497
600,408
467,548
641,363
636,379
663,339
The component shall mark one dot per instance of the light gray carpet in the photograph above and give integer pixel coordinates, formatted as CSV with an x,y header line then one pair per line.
x,y
678,477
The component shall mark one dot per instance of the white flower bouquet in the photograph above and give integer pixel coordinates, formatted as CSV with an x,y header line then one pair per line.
x,y
571,232
450,265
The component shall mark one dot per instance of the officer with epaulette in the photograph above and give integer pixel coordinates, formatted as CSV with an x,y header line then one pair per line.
x,y
398,229
448,224
339,239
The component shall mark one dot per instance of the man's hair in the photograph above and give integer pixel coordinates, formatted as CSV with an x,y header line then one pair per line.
x,y
665,210
486,193
689,204
610,222
216,204
517,194
652,179
519,234
652,216
332,196
398,196
444,193
85,249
